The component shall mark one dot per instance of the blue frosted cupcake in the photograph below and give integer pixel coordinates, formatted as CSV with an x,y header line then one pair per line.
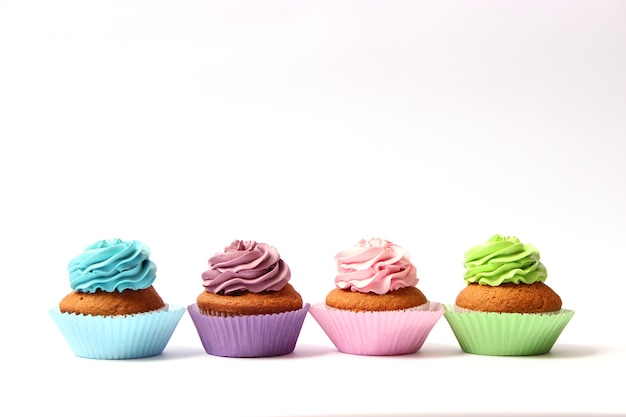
x,y
113,311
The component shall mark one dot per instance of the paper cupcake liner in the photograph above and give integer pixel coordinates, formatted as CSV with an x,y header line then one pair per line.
x,y
118,337
506,334
249,336
379,333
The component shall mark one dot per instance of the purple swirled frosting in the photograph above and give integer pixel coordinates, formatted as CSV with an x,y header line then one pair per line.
x,y
246,266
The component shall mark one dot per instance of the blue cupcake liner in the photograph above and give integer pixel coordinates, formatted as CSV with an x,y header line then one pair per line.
x,y
118,337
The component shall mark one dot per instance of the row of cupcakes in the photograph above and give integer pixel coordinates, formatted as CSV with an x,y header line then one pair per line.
x,y
249,308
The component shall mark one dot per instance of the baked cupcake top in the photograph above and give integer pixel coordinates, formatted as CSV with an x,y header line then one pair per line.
x,y
375,266
503,259
112,265
246,266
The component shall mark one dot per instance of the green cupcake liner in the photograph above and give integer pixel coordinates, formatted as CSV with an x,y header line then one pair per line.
x,y
506,334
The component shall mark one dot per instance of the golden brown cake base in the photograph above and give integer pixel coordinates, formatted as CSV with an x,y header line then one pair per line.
x,y
401,299
509,298
102,303
244,303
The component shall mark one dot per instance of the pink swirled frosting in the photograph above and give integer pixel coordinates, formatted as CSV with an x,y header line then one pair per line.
x,y
375,265
246,266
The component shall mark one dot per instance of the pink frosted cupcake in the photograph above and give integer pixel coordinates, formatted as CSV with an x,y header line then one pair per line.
x,y
376,308
248,307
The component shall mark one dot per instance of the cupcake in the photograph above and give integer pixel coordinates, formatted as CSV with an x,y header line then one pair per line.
x,y
506,309
375,308
113,310
248,308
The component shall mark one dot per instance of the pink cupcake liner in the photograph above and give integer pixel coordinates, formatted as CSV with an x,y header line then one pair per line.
x,y
249,336
379,333
118,337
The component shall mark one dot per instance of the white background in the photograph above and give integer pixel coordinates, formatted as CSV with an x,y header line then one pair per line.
x,y
310,125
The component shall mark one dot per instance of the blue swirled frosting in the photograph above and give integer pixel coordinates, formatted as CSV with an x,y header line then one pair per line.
x,y
112,265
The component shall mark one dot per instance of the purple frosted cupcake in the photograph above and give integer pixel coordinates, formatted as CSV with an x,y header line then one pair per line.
x,y
248,307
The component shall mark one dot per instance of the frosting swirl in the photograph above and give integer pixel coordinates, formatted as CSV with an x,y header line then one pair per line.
x,y
246,266
112,265
375,265
503,259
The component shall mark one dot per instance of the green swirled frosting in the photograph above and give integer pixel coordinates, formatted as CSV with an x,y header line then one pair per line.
x,y
112,265
503,259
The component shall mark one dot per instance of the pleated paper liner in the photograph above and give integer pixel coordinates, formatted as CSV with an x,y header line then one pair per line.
x,y
506,334
118,337
249,336
380,333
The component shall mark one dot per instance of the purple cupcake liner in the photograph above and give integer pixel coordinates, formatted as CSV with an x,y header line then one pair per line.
x,y
249,336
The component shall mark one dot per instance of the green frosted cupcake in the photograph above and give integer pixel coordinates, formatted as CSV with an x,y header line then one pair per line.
x,y
506,309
